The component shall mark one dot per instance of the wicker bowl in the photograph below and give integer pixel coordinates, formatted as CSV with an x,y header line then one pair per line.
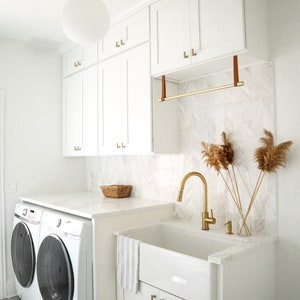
x,y
116,191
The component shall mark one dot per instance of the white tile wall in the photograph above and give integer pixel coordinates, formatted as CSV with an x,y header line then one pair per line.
x,y
243,113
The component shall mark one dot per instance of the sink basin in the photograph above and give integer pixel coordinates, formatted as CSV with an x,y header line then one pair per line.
x,y
180,258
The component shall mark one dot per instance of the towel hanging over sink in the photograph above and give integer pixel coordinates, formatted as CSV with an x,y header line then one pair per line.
x,y
128,263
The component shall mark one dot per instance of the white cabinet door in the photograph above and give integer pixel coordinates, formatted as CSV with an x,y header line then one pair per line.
x,y
137,129
110,105
148,292
125,103
170,35
79,58
80,113
125,35
222,27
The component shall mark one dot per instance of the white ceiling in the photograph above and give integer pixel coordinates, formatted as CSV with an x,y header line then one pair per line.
x,y
39,21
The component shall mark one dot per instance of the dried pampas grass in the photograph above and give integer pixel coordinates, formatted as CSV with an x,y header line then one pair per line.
x,y
268,158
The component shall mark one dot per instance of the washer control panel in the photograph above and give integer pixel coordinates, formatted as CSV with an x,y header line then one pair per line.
x,y
28,213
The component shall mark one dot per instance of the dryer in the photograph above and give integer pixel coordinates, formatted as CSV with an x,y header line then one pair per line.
x,y
24,246
64,261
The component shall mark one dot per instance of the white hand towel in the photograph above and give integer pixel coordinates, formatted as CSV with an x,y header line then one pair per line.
x,y
128,263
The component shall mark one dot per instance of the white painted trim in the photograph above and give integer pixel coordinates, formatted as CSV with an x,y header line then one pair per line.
x,y
2,203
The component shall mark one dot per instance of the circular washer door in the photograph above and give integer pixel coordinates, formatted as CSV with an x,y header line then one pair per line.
x,y
54,270
22,254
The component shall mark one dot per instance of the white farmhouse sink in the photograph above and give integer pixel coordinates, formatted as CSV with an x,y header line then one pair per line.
x,y
175,257
181,259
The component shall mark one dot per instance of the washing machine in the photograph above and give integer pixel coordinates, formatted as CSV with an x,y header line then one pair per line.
x,y
24,246
64,261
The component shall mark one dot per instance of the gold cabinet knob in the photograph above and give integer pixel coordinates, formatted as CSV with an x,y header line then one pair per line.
x,y
122,43
117,44
185,55
123,145
153,297
77,63
118,146
77,148
194,53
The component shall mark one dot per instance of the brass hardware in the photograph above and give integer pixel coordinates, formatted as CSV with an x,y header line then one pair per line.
x,y
77,148
206,219
236,83
117,44
121,146
77,63
122,43
185,56
194,53
229,227
153,297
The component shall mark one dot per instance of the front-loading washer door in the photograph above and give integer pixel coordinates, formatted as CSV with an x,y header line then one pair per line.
x,y
22,254
54,270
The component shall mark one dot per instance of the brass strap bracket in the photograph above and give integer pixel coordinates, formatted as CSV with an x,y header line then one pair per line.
x,y
236,83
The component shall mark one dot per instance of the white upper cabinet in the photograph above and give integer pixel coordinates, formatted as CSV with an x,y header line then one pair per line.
x,y
129,33
222,28
80,113
170,35
79,58
189,33
125,103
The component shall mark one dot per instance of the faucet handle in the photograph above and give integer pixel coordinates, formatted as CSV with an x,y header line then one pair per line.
x,y
212,214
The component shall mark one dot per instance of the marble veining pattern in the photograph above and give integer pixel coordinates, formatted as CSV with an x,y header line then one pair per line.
x,y
243,113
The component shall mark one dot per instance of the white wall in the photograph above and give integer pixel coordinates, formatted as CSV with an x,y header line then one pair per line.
x,y
285,45
243,113
31,80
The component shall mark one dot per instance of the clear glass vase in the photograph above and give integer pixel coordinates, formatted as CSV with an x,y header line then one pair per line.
x,y
243,227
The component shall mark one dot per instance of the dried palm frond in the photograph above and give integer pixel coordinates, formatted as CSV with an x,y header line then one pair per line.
x,y
269,157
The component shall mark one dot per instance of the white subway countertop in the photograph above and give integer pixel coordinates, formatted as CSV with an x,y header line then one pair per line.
x,y
92,204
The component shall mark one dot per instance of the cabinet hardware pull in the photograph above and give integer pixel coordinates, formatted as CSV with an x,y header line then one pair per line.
x,y
117,44
123,146
118,146
77,148
77,63
194,53
122,43
185,56
153,297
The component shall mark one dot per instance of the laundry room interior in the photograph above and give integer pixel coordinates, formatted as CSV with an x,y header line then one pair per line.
x,y
113,184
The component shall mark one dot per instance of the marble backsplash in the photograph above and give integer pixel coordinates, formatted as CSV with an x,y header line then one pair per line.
x,y
242,113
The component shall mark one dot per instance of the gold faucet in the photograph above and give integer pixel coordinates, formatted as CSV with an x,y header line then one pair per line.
x,y
206,219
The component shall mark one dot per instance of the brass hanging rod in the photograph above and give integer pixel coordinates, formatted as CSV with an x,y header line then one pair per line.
x,y
236,83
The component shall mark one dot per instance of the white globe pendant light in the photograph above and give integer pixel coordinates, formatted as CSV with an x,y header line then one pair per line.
x,y
85,21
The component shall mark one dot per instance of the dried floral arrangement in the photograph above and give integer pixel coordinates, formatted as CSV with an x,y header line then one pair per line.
x,y
268,157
